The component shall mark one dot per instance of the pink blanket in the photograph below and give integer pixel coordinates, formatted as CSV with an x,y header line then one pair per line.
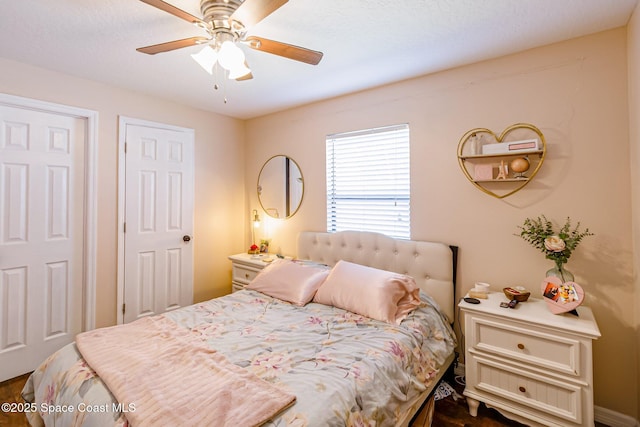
x,y
163,375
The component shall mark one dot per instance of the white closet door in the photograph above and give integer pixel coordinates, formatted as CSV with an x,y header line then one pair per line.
x,y
41,235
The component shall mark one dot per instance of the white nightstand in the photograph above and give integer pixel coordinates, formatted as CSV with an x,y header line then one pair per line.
x,y
244,268
529,364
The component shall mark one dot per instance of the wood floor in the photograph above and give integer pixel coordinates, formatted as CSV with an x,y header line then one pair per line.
x,y
453,411
448,412
10,393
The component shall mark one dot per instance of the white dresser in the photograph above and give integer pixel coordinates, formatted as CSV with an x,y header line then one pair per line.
x,y
244,268
531,365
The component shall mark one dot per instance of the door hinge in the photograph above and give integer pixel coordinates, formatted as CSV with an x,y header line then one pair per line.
x,y
124,227
125,148
123,306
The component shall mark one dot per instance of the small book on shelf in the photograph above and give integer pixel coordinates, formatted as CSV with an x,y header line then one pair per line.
x,y
483,172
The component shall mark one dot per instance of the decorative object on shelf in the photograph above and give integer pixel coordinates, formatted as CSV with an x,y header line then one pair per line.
x,y
480,290
503,170
556,246
562,297
254,249
517,293
264,246
477,143
475,294
482,287
522,146
480,151
483,172
560,272
520,165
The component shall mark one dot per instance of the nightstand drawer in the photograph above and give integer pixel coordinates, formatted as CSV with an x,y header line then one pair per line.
x,y
536,347
243,274
525,392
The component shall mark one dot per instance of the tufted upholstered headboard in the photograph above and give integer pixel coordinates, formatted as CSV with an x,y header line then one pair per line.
x,y
431,264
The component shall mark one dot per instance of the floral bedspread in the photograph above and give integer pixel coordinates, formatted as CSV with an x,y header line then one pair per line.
x,y
345,369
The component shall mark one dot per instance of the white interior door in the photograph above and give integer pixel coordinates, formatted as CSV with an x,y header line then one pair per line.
x,y
158,248
41,235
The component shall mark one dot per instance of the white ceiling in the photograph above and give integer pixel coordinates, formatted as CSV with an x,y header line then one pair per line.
x,y
366,43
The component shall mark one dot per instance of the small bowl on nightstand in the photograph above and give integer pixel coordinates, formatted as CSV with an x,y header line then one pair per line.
x,y
518,293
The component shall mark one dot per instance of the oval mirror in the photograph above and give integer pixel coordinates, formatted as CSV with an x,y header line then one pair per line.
x,y
280,187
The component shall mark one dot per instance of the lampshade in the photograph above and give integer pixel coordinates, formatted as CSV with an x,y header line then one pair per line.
x,y
207,58
239,71
230,56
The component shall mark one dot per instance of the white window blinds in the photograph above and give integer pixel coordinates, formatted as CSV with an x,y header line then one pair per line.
x,y
368,181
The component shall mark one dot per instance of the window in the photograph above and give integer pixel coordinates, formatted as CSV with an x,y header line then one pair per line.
x,y
368,181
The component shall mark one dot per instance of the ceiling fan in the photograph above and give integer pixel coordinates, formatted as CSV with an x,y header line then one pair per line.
x,y
226,23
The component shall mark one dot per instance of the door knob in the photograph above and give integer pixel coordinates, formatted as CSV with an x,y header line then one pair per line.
x,y
186,238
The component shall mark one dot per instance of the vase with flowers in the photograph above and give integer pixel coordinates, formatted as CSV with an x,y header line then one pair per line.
x,y
556,245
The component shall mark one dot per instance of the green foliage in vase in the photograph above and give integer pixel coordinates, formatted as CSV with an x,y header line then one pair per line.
x,y
555,245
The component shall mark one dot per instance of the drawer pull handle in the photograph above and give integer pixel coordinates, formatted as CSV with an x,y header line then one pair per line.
x,y
522,389
246,275
521,346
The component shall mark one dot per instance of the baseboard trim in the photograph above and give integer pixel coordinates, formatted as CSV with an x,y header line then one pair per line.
x,y
613,418
602,415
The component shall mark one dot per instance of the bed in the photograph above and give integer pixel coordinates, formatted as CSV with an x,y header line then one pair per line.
x,y
326,365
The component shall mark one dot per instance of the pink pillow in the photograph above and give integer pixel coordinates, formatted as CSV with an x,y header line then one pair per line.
x,y
289,281
378,294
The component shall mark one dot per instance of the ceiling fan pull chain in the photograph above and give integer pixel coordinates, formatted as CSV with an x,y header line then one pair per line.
x,y
218,70
224,85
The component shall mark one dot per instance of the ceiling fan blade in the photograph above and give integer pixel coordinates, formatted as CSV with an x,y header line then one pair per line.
x,y
250,12
176,44
169,8
296,53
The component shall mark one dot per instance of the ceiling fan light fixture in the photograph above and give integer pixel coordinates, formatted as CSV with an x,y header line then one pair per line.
x,y
206,58
230,56
203,25
226,23
239,71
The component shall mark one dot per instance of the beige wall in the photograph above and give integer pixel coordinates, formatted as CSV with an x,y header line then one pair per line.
x,y
576,93
219,173
633,48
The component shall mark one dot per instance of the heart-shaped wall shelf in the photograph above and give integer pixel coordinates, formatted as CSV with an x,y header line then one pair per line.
x,y
501,165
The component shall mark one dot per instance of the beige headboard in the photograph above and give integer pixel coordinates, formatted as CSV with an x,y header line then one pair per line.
x,y
431,264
